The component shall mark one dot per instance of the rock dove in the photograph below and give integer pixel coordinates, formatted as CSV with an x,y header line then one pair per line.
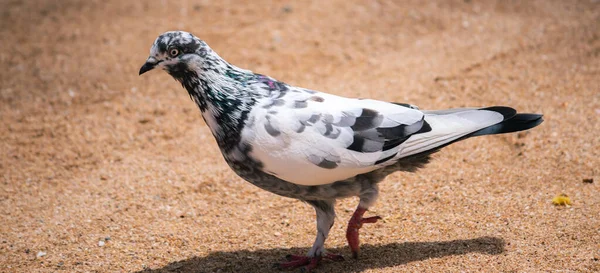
x,y
314,146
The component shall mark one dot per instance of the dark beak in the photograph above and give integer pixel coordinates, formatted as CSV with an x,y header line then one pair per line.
x,y
149,65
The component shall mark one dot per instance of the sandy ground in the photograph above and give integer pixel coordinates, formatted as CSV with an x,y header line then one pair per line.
x,y
106,171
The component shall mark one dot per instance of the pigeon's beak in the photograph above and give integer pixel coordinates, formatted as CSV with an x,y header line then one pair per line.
x,y
149,65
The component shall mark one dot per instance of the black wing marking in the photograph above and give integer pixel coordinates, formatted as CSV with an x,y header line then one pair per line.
x,y
368,137
368,129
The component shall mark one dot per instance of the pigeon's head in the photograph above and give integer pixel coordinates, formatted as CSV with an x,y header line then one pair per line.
x,y
176,52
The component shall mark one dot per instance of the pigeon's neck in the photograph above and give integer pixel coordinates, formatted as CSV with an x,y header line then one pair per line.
x,y
217,85
223,94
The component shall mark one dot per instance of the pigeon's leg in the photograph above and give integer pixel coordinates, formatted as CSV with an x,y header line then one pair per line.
x,y
325,217
367,198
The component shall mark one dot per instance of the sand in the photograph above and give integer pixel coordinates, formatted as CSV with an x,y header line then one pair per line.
x,y
106,171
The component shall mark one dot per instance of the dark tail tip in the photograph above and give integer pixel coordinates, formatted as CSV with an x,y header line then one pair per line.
x,y
518,122
521,122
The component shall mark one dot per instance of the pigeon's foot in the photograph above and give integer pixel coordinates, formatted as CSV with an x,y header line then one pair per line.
x,y
306,263
354,225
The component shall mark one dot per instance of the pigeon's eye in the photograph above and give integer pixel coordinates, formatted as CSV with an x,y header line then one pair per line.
x,y
174,52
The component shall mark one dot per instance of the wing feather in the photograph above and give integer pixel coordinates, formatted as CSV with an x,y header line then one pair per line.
x,y
327,138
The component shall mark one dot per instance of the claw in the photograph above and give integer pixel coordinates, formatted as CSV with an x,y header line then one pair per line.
x,y
292,257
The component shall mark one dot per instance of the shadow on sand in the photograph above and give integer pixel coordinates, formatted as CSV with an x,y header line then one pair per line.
x,y
380,256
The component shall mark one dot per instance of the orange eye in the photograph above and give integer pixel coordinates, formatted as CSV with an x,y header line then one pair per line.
x,y
173,52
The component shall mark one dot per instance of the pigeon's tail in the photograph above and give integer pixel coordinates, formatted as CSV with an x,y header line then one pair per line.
x,y
449,126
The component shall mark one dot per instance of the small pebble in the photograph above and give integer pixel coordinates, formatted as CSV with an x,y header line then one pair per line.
x,y
588,180
287,9
41,254
101,243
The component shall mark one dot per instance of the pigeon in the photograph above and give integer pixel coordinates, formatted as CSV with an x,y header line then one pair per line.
x,y
314,146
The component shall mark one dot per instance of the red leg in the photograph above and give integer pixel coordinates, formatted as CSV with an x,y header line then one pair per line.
x,y
354,225
325,218
312,265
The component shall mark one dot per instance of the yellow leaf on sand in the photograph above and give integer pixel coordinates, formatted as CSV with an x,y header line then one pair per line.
x,y
561,200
